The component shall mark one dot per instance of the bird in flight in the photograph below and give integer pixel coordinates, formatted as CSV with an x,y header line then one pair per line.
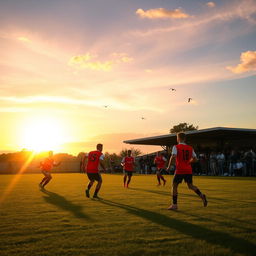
x,y
172,89
189,99
105,106
143,118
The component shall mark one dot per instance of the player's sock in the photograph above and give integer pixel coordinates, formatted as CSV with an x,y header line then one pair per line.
x,y
96,192
128,182
87,193
89,186
174,199
125,180
158,178
43,180
46,182
198,192
163,179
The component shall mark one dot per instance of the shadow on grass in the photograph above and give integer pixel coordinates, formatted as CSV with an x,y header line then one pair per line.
x,y
195,197
235,244
192,194
63,203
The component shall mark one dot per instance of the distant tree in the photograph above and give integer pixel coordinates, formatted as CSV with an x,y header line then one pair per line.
x,y
183,127
135,152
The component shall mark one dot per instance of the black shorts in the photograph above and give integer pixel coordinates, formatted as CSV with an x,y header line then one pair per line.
x,y
160,171
94,176
179,177
128,173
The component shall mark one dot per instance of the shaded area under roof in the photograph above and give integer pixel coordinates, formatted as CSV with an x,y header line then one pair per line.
x,y
217,136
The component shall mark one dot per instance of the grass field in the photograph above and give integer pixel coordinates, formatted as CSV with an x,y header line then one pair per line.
x,y
62,221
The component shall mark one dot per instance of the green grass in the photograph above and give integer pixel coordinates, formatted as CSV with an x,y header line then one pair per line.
x,y
62,221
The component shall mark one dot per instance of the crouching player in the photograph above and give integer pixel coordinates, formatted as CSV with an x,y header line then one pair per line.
x,y
128,166
46,167
184,155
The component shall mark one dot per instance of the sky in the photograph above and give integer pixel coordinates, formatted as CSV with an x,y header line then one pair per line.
x,y
76,73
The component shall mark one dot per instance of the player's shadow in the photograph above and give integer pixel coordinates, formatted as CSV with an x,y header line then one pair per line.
x,y
194,197
158,192
62,203
235,244
191,195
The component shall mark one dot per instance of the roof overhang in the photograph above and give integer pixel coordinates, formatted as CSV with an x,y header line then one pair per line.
x,y
201,136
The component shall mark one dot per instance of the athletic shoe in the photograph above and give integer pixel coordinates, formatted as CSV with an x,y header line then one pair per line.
x,y
87,193
173,207
40,185
204,200
96,196
164,182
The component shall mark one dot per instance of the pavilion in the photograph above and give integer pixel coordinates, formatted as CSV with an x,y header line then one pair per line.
x,y
214,138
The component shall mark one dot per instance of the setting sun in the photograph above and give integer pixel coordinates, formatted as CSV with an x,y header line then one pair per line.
x,y
41,135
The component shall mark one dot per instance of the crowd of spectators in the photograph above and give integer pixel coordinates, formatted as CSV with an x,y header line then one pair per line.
x,y
216,163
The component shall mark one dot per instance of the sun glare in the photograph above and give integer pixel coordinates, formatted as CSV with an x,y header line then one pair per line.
x,y
42,135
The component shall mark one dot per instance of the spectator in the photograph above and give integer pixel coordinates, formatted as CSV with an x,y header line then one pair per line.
x,y
213,163
249,158
220,163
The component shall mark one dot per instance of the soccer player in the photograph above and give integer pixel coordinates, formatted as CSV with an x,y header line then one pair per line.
x,y
128,166
160,162
46,167
184,155
94,159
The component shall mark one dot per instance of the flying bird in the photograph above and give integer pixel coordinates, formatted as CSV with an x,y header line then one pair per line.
x,y
172,89
143,118
105,106
189,99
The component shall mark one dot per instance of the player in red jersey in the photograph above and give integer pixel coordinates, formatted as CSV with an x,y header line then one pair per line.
x,y
94,159
46,167
128,166
184,155
160,162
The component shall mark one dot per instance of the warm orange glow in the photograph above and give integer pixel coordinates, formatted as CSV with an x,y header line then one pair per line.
x,y
16,178
42,135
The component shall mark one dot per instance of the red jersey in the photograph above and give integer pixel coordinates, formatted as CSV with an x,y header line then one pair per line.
x,y
94,158
183,157
160,162
128,162
47,164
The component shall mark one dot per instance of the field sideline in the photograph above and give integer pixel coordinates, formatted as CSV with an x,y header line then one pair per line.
x,y
62,221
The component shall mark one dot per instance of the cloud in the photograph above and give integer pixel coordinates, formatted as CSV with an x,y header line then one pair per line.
x,y
211,4
161,13
243,10
24,39
87,61
121,57
84,62
248,63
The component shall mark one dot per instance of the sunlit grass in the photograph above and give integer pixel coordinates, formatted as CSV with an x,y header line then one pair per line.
x,y
61,221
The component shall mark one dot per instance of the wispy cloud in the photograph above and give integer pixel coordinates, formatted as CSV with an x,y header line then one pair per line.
x,y
211,4
24,39
95,102
244,10
88,61
248,63
162,13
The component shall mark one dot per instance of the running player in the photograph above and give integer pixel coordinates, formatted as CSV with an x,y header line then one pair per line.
x,y
128,166
46,167
94,159
160,162
184,155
